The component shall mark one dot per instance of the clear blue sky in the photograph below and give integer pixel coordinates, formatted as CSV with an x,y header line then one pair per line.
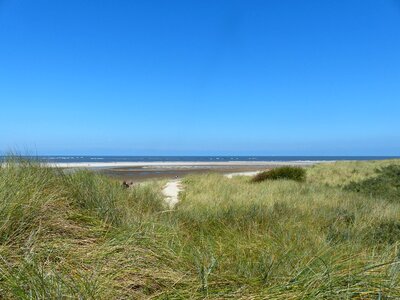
x,y
200,77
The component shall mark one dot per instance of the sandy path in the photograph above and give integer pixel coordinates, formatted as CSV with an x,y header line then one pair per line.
x,y
171,192
173,187
250,173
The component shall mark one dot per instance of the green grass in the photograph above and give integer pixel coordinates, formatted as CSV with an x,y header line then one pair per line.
x,y
281,173
386,184
83,236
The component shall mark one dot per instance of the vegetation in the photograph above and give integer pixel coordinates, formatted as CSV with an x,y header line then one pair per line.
x,y
386,184
83,236
342,173
287,172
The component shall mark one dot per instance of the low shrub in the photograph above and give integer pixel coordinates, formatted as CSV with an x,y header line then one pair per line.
x,y
385,185
287,172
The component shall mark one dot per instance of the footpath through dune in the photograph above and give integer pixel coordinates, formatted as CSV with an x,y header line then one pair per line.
x,y
171,192
173,187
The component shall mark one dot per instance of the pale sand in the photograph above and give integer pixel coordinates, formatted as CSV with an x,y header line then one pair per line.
x,y
251,173
171,192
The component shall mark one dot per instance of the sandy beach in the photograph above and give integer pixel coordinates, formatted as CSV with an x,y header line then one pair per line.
x,y
140,171
137,171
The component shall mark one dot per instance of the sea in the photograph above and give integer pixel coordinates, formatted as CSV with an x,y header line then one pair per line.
x,y
91,159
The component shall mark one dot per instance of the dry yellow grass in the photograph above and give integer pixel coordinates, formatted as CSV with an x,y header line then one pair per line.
x,y
83,236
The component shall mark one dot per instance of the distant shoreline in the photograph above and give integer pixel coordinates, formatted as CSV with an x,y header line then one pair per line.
x,y
161,164
137,169
132,160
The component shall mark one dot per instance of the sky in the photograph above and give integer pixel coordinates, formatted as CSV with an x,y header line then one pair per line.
x,y
191,77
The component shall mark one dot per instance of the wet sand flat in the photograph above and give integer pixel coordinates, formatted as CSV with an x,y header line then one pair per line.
x,y
178,170
140,174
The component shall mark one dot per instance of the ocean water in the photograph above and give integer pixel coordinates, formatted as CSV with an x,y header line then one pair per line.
x,y
91,159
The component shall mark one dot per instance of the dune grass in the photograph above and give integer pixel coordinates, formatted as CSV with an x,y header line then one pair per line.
x,y
341,173
83,236
386,184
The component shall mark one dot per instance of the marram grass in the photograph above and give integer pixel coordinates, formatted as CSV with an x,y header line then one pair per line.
x,y
82,236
